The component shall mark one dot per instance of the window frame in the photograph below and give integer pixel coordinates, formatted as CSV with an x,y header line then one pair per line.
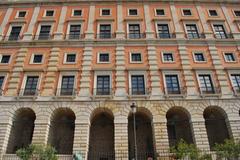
x,y
209,14
224,27
230,72
69,27
65,58
134,62
133,9
101,11
45,13
18,12
199,82
104,23
172,73
5,75
233,54
164,11
167,52
134,23
8,54
197,30
65,73
75,9
24,82
203,53
39,29
15,25
130,73
234,10
190,9
102,73
98,57
32,58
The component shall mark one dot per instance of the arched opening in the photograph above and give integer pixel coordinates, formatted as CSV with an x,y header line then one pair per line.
x,y
144,136
21,130
101,141
178,126
61,132
215,121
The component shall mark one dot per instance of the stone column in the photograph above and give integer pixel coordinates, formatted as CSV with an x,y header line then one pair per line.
x,y
121,138
89,34
59,34
156,92
233,123
28,35
5,128
207,32
85,82
120,92
199,134
5,21
41,132
81,139
221,75
16,73
149,31
51,79
120,31
187,71
179,32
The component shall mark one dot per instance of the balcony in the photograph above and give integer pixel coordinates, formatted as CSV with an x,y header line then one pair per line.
x,y
175,92
209,91
195,36
66,92
103,93
74,36
136,35
138,92
12,38
166,35
28,93
43,37
106,36
224,36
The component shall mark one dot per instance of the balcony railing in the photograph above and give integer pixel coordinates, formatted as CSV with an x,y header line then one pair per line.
x,y
106,36
74,36
68,92
166,35
136,35
196,36
236,90
175,91
29,92
139,91
12,38
224,36
103,91
43,37
205,91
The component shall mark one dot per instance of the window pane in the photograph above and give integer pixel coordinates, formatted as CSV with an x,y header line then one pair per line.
x,y
138,86
44,32
103,85
15,32
172,84
206,84
163,31
5,59
67,85
37,59
105,31
1,82
31,85
134,31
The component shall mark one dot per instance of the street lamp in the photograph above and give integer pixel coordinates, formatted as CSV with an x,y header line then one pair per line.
x,y
134,110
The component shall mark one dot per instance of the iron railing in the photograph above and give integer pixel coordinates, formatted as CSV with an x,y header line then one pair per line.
x,y
210,90
103,91
166,35
12,38
136,35
106,36
223,36
197,36
139,91
43,37
28,92
66,92
74,36
175,91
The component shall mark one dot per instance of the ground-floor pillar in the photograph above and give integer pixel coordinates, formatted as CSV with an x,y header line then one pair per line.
x,y
5,129
40,134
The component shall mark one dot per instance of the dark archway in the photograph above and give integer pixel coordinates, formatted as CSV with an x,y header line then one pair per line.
x,y
21,130
178,126
144,137
61,132
215,121
101,141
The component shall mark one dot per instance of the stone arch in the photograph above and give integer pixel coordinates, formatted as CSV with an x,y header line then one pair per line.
x,y
217,125
61,130
179,125
101,140
144,134
21,130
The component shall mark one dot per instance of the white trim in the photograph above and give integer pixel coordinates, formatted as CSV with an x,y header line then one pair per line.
x,y
65,73
163,61
128,11
211,15
171,73
74,23
25,81
130,57
17,14
15,25
5,75
7,54
133,23
110,11
45,12
205,72
65,58
75,9
32,58
234,55
102,73
130,73
182,9
98,57
104,23
191,23
40,26
219,23
160,9
235,13
203,53
163,22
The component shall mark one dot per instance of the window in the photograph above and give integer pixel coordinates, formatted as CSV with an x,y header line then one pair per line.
x,y
31,86
236,82
77,12
132,12
138,85
172,84
22,14
219,31
213,12
70,58
37,58
103,85
103,58
44,32
199,57
105,31
187,12
206,85
237,13
163,31
229,57
160,12
105,12
74,31
134,31
192,32
5,59
136,58
15,33
67,85
49,13
167,57
1,83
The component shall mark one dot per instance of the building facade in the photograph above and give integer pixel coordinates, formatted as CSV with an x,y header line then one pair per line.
x,y
70,70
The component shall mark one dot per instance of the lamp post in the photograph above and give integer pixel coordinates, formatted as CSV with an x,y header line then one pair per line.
x,y
134,110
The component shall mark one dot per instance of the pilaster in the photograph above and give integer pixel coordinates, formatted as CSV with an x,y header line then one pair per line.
x,y
40,134
51,72
29,34
15,77
4,136
5,21
89,34
120,34
59,34
148,23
